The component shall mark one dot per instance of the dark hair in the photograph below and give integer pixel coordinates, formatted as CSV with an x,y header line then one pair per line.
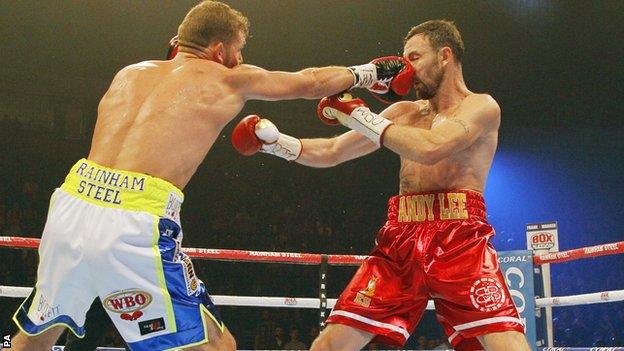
x,y
440,33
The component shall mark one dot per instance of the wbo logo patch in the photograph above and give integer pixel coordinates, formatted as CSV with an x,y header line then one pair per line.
x,y
128,303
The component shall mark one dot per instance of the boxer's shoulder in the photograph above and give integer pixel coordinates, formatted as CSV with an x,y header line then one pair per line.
x,y
245,70
480,106
406,110
481,99
243,76
138,68
144,65
184,69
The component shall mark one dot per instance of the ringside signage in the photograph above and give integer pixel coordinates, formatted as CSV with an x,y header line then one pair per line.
x,y
517,268
542,236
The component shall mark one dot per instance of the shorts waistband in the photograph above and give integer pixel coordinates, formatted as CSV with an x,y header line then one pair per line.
x,y
121,189
437,206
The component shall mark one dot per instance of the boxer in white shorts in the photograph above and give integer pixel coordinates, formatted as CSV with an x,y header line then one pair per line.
x,y
105,229
113,228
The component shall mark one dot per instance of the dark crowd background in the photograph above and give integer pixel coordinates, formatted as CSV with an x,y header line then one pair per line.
x,y
555,68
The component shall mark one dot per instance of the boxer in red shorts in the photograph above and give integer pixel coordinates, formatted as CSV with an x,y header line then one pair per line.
x,y
435,243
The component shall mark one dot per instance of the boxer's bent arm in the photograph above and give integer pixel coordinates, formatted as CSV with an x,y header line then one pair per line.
x,y
255,83
323,153
478,115
345,147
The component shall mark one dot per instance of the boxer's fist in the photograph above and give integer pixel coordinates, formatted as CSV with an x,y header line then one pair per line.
x,y
251,133
395,77
388,78
336,109
353,113
173,48
254,134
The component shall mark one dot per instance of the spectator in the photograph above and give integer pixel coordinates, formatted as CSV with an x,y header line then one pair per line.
x,y
265,332
14,218
313,332
280,338
294,343
422,342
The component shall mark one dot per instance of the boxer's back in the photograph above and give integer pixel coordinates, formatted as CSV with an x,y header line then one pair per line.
x,y
162,117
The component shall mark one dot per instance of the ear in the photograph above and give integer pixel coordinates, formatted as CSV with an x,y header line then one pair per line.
x,y
218,52
445,55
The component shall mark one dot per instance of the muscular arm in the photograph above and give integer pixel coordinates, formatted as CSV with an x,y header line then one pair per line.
x,y
348,146
255,83
322,153
477,116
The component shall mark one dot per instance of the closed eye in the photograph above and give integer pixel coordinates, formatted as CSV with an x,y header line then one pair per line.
x,y
412,55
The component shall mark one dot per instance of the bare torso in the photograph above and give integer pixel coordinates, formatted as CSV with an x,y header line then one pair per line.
x,y
466,169
161,117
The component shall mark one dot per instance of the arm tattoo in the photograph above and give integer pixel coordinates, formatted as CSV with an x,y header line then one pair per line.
x,y
462,123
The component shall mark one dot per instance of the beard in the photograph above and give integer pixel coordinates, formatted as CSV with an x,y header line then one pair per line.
x,y
426,91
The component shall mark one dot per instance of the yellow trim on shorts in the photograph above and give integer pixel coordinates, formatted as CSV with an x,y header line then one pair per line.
x,y
221,327
214,319
161,276
121,189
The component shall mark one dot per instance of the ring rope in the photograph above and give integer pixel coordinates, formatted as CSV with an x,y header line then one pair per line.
x,y
346,260
582,299
583,252
308,302
222,300
224,254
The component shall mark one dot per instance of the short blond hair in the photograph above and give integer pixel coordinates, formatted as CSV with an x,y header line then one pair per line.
x,y
211,21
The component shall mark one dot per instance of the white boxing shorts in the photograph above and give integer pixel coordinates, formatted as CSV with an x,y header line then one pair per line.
x,y
116,235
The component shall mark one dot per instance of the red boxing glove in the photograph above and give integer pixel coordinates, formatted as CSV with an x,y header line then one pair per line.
x,y
353,113
173,48
244,138
395,77
253,134
334,110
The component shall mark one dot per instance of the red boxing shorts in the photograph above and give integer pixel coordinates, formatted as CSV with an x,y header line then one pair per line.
x,y
433,245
